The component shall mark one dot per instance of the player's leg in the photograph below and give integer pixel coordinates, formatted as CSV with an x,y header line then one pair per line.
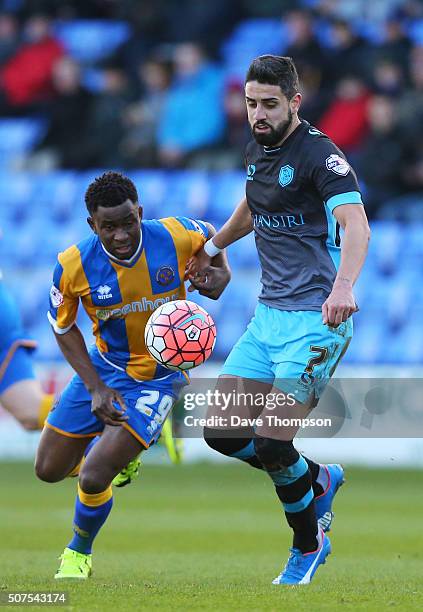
x,y
58,455
249,363
20,392
147,408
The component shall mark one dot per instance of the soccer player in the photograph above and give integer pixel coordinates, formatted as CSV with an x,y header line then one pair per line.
x,y
20,392
300,189
121,273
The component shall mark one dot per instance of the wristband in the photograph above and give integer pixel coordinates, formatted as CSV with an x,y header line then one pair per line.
x,y
211,249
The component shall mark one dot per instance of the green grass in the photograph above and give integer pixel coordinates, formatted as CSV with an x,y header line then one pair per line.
x,y
212,538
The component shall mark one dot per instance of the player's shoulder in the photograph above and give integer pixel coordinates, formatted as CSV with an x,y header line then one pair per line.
x,y
176,225
70,259
316,143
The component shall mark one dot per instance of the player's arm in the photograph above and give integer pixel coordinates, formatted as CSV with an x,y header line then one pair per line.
x,y
211,278
64,301
239,224
74,349
341,303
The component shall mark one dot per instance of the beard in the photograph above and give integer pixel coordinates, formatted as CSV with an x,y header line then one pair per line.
x,y
275,135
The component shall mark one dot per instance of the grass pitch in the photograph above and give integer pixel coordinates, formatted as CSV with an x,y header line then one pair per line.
x,y
212,537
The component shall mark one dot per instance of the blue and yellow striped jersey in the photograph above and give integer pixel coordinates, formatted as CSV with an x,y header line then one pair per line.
x,y
119,296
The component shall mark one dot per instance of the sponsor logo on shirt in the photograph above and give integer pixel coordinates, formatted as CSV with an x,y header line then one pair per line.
x,y
56,297
286,174
104,292
337,164
278,221
142,305
250,172
198,228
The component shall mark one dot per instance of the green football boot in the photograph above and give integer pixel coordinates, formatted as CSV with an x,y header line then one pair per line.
x,y
74,565
128,474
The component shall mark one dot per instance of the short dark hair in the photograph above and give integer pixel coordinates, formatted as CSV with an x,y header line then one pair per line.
x,y
275,70
108,190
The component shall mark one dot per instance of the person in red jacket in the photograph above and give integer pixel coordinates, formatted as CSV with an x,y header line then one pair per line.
x,y
26,79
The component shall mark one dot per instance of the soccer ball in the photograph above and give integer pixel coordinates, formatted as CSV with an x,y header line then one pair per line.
x,y
180,335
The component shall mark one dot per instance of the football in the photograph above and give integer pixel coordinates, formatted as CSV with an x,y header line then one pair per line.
x,y
180,335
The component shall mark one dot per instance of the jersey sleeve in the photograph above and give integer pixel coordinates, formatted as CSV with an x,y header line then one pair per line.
x,y
63,303
333,177
196,230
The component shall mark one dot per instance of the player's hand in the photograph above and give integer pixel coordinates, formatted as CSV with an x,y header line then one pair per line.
x,y
340,304
198,262
102,405
210,281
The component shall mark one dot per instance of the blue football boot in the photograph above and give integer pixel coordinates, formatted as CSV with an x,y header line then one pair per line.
x,y
323,503
300,567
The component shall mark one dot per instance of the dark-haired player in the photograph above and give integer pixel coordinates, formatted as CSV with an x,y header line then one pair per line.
x,y
300,189
124,270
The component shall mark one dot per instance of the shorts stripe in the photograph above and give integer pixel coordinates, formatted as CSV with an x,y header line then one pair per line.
x,y
72,435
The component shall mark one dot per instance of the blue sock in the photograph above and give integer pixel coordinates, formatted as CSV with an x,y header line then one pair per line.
x,y
91,512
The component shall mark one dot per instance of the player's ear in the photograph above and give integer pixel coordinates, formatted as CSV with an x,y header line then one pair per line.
x,y
91,223
140,212
295,103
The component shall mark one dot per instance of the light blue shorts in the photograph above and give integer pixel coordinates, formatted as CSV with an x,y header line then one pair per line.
x,y
293,350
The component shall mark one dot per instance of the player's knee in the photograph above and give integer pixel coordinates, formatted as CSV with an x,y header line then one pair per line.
x,y
225,446
93,480
46,471
275,454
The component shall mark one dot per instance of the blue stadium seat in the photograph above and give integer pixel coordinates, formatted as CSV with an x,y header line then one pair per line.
x,y
250,38
91,41
18,136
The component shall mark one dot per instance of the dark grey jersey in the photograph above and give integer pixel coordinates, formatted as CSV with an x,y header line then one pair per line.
x,y
292,192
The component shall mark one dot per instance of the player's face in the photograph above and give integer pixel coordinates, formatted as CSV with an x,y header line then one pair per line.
x,y
270,113
118,228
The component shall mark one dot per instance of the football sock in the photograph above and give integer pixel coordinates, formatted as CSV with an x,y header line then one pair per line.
x,y
238,448
293,487
46,405
91,511
243,449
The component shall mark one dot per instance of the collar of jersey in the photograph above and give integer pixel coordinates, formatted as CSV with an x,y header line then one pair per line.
x,y
270,150
127,263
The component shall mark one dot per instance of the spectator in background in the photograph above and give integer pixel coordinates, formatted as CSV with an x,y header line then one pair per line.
x,y
396,46
388,78
303,45
26,79
410,112
142,118
379,162
350,54
230,152
106,123
9,36
346,119
64,143
193,115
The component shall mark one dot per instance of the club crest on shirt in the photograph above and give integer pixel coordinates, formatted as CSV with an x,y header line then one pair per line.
x,y
337,164
286,174
165,275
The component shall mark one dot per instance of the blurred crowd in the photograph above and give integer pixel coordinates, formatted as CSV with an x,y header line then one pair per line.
x,y
165,97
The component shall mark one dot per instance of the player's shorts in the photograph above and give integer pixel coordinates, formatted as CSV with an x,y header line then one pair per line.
x,y
15,349
293,350
147,403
